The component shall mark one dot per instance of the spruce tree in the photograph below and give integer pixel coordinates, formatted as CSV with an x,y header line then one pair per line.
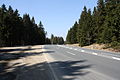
x,y
15,30
100,19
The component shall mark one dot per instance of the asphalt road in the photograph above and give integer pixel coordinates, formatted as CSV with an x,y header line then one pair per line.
x,y
74,63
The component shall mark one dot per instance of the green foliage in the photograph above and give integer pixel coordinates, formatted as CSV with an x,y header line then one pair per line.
x,y
56,40
52,38
101,26
47,41
15,30
72,34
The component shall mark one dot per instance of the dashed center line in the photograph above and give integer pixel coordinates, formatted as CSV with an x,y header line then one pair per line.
x,y
116,58
82,50
70,53
94,53
75,49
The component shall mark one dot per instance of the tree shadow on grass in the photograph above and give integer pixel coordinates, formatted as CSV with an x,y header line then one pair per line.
x,y
17,49
14,56
7,56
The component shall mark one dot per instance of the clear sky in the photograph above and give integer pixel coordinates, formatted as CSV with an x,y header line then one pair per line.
x,y
57,16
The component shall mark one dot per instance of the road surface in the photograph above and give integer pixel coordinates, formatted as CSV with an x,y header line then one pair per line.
x,y
74,63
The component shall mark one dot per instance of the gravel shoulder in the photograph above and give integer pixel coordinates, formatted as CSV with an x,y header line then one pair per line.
x,y
23,63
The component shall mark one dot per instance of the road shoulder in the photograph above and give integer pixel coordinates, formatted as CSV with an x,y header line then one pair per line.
x,y
30,64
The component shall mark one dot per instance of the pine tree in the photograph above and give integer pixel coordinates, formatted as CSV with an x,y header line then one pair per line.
x,y
52,37
3,33
28,28
42,33
83,28
47,41
60,40
74,32
100,19
103,26
68,38
55,40
111,24
15,30
94,24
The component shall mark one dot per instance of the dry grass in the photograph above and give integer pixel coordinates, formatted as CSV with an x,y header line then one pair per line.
x,y
12,58
98,47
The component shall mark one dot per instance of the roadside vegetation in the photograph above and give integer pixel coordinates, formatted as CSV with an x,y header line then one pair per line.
x,y
102,26
56,40
16,30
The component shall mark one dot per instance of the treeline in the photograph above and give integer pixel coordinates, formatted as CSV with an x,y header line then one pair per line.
x,y
16,30
56,40
100,26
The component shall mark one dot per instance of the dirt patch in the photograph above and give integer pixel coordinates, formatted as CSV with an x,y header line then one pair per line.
x,y
22,63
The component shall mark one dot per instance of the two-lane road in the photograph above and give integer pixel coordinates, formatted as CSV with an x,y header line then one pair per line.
x,y
74,63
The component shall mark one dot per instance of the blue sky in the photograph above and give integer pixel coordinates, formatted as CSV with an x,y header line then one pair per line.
x,y
57,16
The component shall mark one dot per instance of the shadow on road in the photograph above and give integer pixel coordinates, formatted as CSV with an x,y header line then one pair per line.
x,y
66,70
69,70
41,71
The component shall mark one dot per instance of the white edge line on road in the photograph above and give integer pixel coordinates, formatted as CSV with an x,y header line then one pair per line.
x,y
82,50
70,48
70,53
55,77
94,53
75,49
116,58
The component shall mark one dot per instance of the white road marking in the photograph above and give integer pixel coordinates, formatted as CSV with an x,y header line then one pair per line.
x,y
66,47
110,57
70,53
116,58
70,48
82,50
75,49
94,53
54,75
